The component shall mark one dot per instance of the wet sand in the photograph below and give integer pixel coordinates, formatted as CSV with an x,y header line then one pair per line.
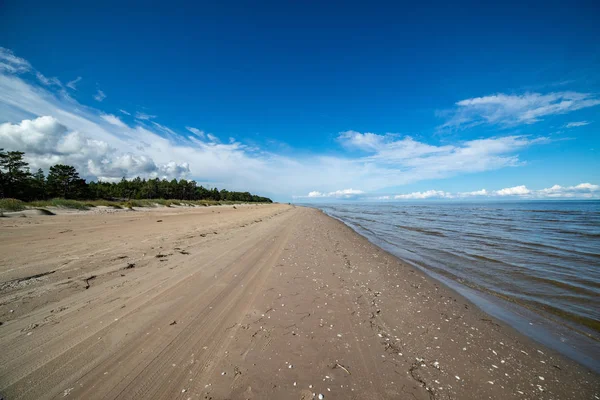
x,y
252,302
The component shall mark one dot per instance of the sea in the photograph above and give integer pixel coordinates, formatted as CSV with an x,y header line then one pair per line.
x,y
533,264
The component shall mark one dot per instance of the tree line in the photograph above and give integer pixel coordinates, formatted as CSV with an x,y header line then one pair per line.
x,y
16,181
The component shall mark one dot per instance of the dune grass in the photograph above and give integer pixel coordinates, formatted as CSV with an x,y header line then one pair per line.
x,y
59,203
103,203
18,205
12,205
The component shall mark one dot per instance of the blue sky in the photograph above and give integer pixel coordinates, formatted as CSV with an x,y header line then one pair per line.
x,y
308,101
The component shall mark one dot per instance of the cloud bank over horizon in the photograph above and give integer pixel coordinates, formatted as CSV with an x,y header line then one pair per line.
x,y
580,191
39,116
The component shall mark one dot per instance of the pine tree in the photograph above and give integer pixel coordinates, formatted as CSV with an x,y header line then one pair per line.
x,y
63,181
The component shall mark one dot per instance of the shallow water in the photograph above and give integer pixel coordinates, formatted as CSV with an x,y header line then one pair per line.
x,y
544,256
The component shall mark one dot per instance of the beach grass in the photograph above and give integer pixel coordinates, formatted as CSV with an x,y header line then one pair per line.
x,y
58,203
12,205
9,204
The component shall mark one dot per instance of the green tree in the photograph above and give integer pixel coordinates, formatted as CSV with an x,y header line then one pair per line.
x,y
37,186
64,181
14,173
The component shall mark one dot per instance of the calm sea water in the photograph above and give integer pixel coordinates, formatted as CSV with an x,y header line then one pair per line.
x,y
544,256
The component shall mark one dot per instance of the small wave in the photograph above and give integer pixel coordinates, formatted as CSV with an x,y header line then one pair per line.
x,y
364,219
484,258
496,218
421,230
576,233
546,220
425,219
562,212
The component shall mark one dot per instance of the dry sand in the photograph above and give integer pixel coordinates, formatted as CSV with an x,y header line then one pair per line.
x,y
256,302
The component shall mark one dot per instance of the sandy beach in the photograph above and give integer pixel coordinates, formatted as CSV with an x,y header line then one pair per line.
x,y
245,302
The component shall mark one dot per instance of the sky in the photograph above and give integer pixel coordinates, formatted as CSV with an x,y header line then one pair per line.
x,y
311,101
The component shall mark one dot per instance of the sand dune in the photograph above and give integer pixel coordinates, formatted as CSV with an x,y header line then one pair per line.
x,y
253,302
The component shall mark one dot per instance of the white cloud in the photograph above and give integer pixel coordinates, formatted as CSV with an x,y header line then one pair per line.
x,y
32,136
388,147
481,192
422,195
73,84
578,123
528,108
46,142
362,141
174,169
345,193
48,81
513,191
585,186
143,116
196,131
405,160
166,130
338,194
9,63
99,96
583,191
114,120
124,112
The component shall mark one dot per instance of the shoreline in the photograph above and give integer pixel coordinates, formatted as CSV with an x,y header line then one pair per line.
x,y
264,301
546,329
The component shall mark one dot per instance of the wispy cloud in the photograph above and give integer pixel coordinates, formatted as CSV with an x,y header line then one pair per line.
x,y
124,112
511,110
143,116
114,120
430,161
196,131
362,141
12,64
576,124
166,130
48,81
73,84
99,96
